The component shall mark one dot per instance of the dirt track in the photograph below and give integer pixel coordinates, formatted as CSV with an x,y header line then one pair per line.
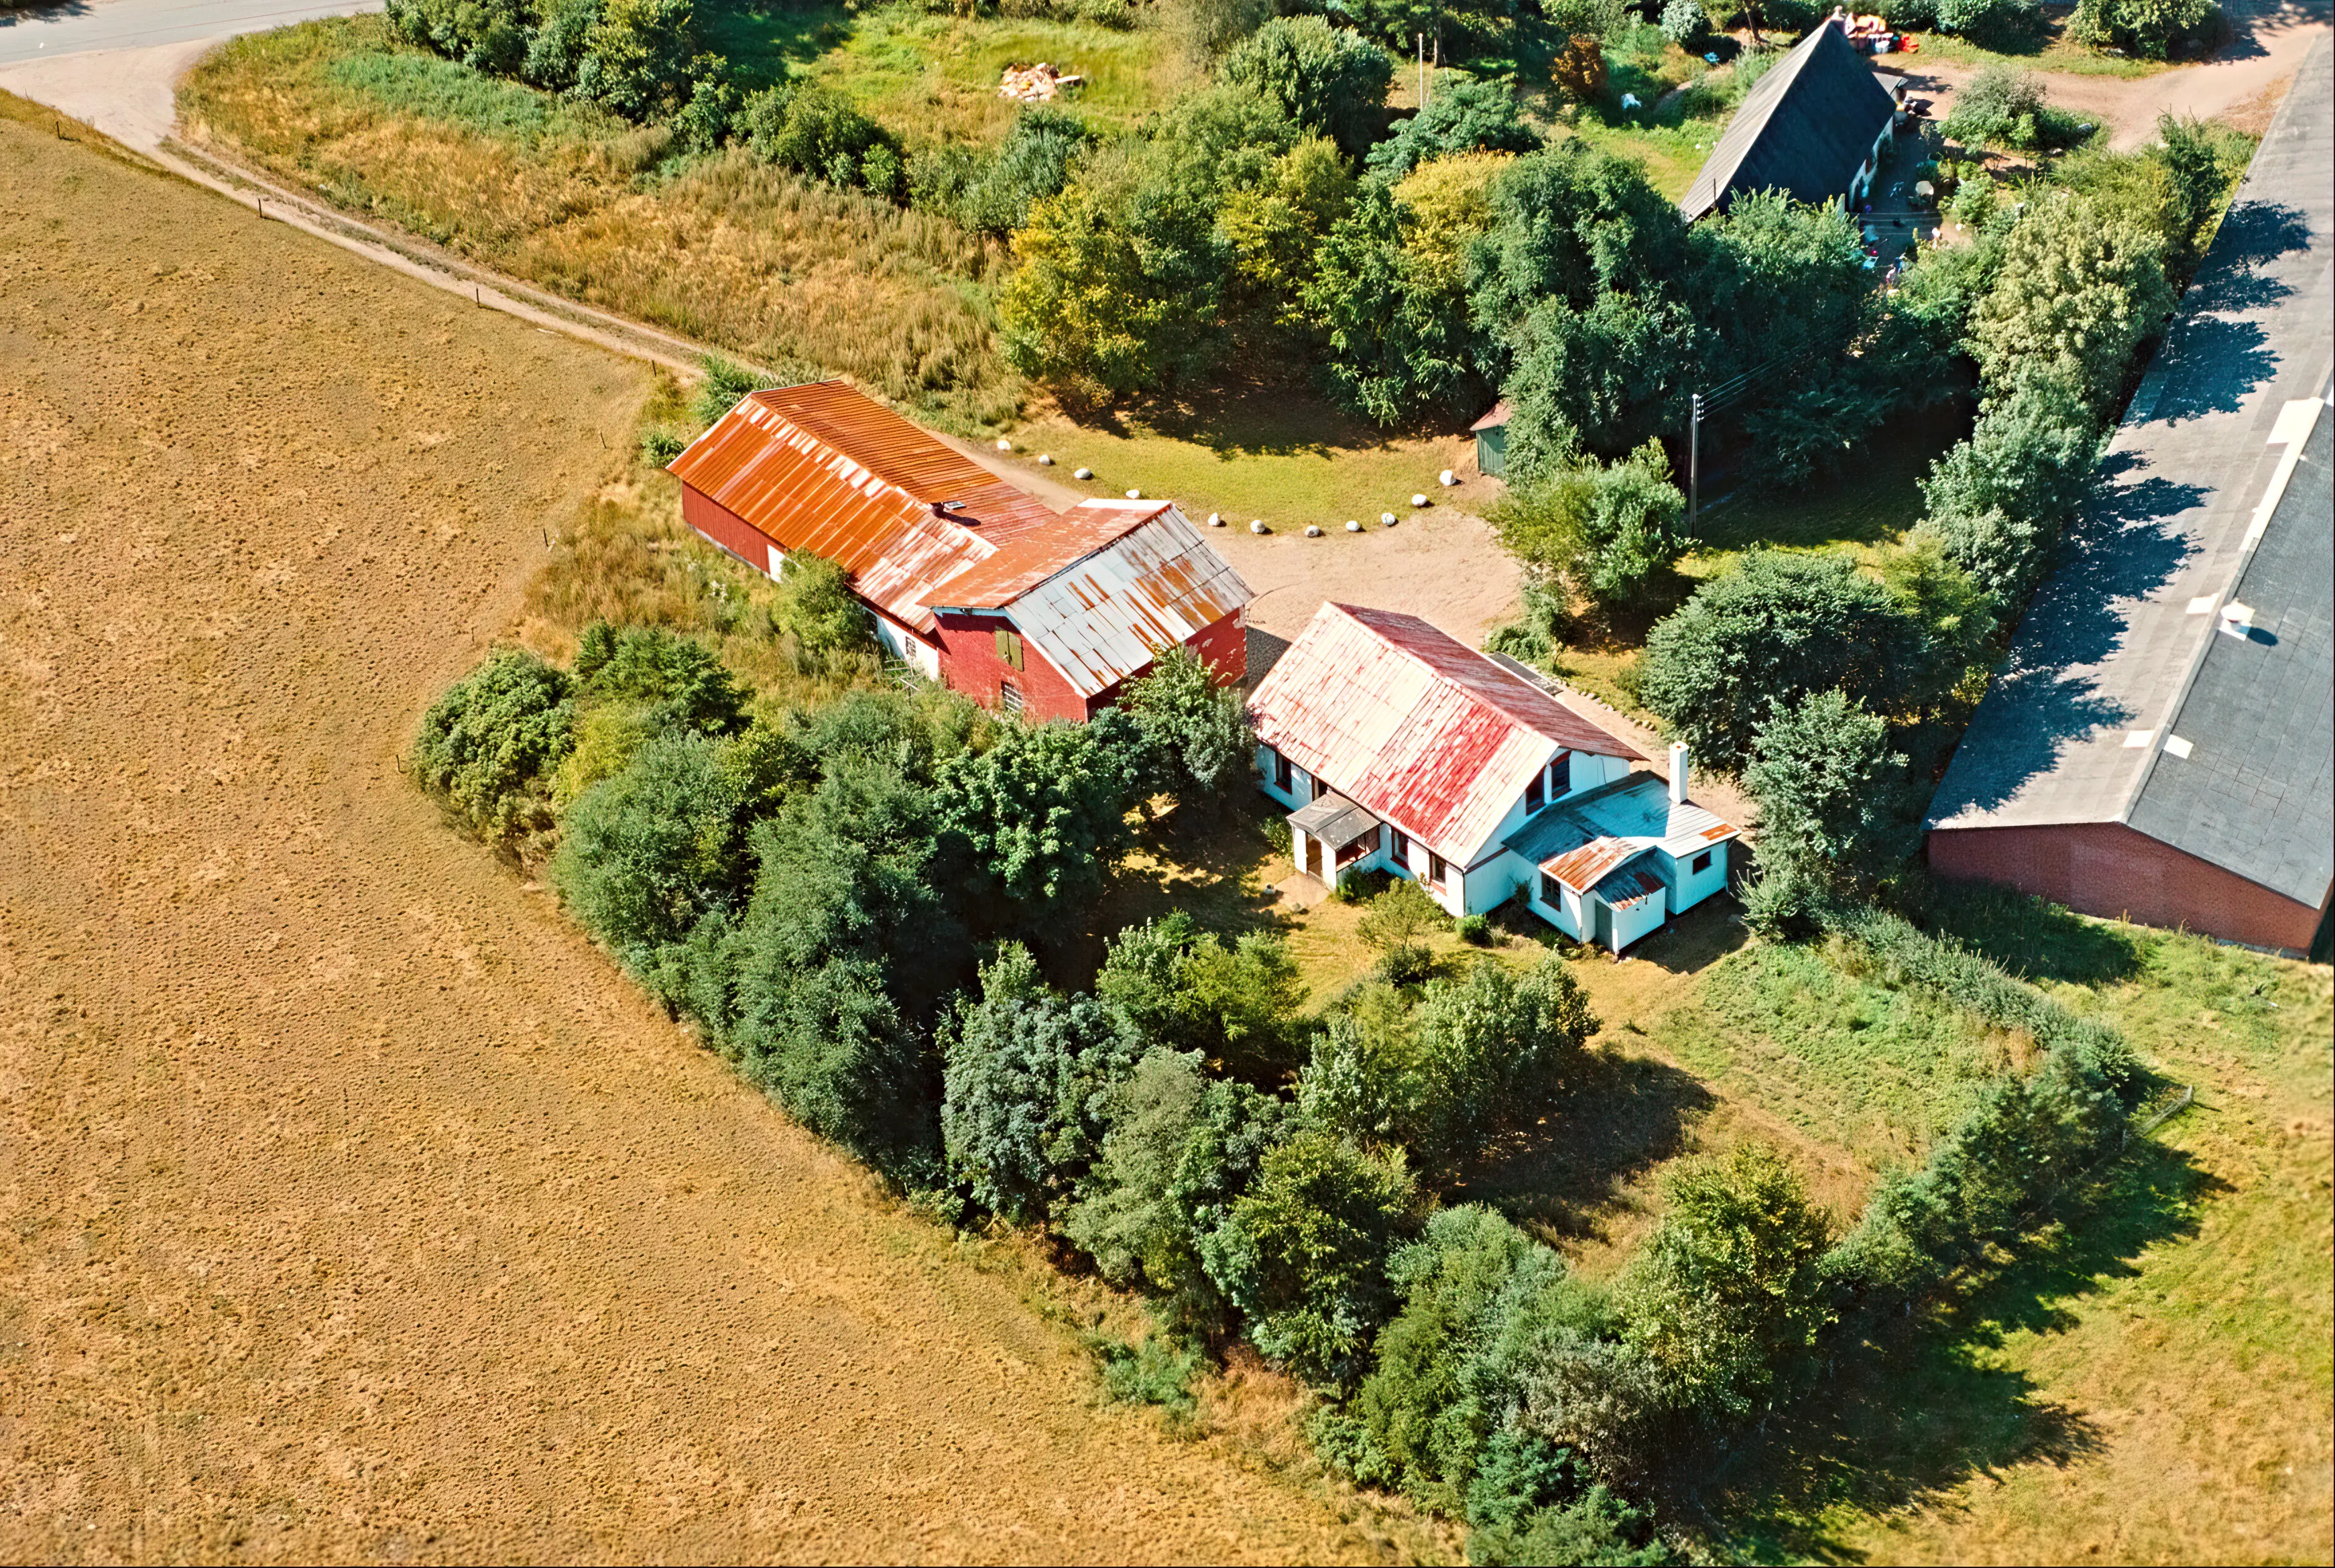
x,y
350,1206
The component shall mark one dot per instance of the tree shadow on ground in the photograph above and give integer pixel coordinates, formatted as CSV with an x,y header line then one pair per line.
x,y
1204,859
1620,1116
1251,419
1915,1407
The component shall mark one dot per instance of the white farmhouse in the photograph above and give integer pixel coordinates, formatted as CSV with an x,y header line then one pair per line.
x,y
1397,747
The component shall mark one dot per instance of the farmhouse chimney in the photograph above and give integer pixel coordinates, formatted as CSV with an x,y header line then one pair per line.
x,y
1678,772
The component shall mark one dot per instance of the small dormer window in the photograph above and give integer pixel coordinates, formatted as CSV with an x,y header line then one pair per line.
x,y
1560,775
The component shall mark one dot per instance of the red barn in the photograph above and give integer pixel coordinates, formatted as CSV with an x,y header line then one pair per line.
x,y
971,580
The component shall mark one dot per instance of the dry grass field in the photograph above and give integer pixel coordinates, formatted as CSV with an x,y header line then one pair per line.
x,y
351,1206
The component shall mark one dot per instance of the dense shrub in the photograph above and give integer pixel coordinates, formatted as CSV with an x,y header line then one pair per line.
x,y
1828,791
992,192
489,745
1305,1255
1232,1003
676,679
2152,29
1156,1207
828,630
1393,330
1043,812
1395,927
1606,532
1325,79
1729,1293
1465,115
491,36
2078,292
1998,502
1477,1055
1026,1070
644,854
1683,22
1998,107
815,133
1995,23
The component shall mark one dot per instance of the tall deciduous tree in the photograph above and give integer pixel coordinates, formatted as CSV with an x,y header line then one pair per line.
x,y
1325,79
1828,789
2076,295
1044,810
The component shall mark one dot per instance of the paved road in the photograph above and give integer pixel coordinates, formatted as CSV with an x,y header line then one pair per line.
x,y
77,27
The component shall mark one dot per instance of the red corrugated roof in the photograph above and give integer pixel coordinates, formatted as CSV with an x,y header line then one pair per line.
x,y
1414,725
825,469
1037,555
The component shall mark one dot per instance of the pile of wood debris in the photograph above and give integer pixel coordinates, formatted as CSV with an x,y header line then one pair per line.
x,y
1034,83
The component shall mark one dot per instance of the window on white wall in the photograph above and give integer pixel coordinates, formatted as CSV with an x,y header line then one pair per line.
x,y
1560,775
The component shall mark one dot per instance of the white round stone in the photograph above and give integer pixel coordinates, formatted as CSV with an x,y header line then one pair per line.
x,y
1313,530
1081,473
1135,495
1257,527
1352,527
1214,521
1003,445
1447,477
1387,517
1045,460
1419,500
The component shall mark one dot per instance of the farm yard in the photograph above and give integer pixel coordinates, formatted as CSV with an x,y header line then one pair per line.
x,y
563,1045
354,1206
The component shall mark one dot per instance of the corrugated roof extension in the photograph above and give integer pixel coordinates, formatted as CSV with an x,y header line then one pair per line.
x,y
1804,128
823,467
1413,725
1585,840
1107,612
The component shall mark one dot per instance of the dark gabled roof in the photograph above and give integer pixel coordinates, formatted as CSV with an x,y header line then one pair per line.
x,y
2255,791
1804,128
2173,675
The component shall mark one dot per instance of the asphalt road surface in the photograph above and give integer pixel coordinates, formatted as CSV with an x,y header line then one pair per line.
x,y
76,27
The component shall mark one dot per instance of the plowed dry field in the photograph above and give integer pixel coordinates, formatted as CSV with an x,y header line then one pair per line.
x,y
351,1206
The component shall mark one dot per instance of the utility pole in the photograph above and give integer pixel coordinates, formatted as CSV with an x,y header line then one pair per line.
x,y
1422,70
1693,463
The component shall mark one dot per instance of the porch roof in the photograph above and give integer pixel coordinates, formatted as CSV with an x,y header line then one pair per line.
x,y
1333,819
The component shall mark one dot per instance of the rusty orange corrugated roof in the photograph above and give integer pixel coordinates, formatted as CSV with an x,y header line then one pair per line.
x,y
826,469
1416,726
1035,556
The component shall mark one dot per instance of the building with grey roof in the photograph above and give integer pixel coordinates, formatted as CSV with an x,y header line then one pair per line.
x,y
1814,127
2160,745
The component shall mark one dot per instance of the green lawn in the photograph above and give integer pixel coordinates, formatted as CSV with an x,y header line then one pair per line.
x,y
2051,51
930,77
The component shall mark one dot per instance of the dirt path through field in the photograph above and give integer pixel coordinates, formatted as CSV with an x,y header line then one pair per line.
x,y
350,1206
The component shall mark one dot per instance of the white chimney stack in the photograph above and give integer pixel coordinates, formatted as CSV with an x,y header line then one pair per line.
x,y
1678,772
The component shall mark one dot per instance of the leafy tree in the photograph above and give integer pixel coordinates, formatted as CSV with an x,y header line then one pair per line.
x,y
641,57
2152,29
1276,226
1771,631
486,746
488,35
1196,732
824,989
1454,28
826,627
1157,1203
1995,23
1177,986
1595,1527
1479,1299
1465,115
646,852
1604,532
1998,502
1573,224
1394,925
680,683
1579,70
2076,295
1305,1255
1607,379
1683,22
1326,80
1044,810
1827,788
555,53
1729,1293
1026,1073
1396,340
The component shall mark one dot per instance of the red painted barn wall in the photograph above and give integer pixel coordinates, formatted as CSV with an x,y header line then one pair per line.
x,y
2106,868
726,529
969,664
1222,646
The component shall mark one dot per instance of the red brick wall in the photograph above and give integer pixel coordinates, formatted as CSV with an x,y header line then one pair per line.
x,y
969,664
2108,869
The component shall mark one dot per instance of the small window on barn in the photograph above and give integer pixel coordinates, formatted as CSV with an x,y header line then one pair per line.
x,y
1009,646
1560,775
1701,863
1008,697
1551,893
1535,796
